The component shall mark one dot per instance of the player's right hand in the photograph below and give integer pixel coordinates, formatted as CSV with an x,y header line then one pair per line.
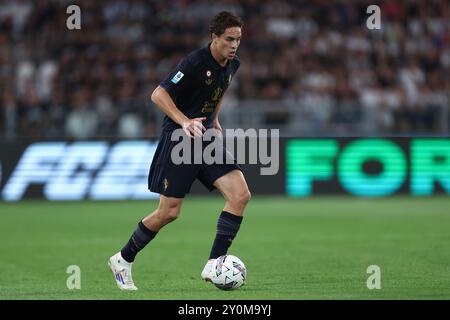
x,y
194,127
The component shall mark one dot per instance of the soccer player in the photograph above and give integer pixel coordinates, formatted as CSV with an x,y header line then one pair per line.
x,y
191,97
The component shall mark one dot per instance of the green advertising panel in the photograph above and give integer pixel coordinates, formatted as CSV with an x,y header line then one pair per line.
x,y
430,165
417,166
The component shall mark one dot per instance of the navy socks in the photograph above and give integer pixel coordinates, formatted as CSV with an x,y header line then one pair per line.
x,y
227,228
139,239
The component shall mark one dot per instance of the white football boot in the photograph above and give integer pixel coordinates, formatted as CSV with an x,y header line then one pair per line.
x,y
207,272
122,272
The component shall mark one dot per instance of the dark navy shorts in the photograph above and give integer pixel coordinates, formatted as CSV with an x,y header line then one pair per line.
x,y
175,180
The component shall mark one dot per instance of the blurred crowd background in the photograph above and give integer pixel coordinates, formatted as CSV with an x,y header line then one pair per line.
x,y
307,67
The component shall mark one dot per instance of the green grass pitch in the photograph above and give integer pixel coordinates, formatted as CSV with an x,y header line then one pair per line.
x,y
314,248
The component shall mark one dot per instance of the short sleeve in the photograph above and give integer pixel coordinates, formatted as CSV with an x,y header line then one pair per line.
x,y
177,81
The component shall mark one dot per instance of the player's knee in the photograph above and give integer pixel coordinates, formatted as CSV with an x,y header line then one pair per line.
x,y
172,213
169,213
247,196
242,197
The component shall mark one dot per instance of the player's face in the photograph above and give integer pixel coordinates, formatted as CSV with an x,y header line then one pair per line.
x,y
228,43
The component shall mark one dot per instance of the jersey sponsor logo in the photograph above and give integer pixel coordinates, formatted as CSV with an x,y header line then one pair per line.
x,y
209,106
177,77
207,109
166,184
208,82
217,94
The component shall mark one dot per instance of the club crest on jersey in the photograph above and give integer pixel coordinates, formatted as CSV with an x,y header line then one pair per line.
x,y
177,77
209,80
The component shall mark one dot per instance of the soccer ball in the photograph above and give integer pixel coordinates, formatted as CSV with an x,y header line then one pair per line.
x,y
229,272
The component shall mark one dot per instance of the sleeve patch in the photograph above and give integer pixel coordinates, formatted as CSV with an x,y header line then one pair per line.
x,y
177,77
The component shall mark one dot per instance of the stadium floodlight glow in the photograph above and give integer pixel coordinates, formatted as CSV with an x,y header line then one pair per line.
x,y
356,181
430,163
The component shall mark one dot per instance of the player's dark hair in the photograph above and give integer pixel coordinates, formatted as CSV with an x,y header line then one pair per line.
x,y
224,20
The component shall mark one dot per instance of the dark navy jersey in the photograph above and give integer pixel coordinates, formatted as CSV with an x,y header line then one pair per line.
x,y
197,85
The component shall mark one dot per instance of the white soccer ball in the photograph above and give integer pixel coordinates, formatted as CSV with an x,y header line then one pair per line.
x,y
229,272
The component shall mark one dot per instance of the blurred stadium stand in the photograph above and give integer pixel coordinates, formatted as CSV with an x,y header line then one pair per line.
x,y
308,67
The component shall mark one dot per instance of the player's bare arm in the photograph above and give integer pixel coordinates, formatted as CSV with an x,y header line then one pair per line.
x,y
192,127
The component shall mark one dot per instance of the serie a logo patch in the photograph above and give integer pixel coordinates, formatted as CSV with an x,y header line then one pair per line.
x,y
177,77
